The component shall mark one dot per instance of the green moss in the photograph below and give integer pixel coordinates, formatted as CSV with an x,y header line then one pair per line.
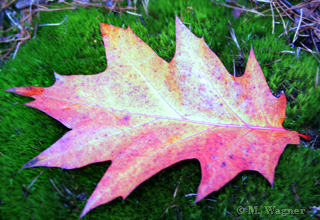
x,y
77,48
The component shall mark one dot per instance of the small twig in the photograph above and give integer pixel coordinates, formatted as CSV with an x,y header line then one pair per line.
x,y
265,1
69,3
298,53
273,25
296,34
9,51
9,29
295,192
54,24
273,62
313,41
289,94
317,78
132,13
7,5
315,208
211,200
20,39
185,23
311,24
67,190
30,7
300,5
55,9
287,51
5,50
145,4
234,37
34,147
230,214
191,194
16,50
315,31
56,187
284,10
314,141
35,31
234,67
176,190
242,9
35,179
11,19
307,49
284,24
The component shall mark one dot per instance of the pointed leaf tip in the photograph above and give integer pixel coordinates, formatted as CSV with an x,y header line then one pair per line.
x,y
10,90
31,163
178,21
57,76
197,200
27,91
307,137
252,52
105,28
83,214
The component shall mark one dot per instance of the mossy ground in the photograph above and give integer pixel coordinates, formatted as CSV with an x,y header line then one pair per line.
x,y
77,48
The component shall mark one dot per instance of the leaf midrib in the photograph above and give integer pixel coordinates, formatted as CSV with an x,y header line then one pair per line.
x,y
172,118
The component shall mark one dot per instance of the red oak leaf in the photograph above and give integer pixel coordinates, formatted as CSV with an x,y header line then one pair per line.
x,y
145,114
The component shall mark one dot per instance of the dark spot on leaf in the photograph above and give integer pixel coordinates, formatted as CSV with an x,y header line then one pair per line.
x,y
231,157
223,164
31,162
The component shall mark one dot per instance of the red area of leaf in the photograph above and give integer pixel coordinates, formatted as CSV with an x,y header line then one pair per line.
x,y
27,91
145,114
307,137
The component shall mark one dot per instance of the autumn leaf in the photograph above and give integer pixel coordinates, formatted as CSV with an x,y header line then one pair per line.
x,y
145,114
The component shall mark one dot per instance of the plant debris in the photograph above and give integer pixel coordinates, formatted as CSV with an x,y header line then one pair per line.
x,y
301,19
18,23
